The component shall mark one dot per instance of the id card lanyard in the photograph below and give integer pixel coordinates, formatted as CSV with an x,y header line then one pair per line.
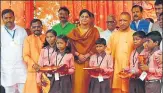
x,y
50,55
58,63
99,64
12,36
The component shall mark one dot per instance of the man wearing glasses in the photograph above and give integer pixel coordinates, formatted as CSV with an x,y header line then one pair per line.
x,y
111,25
31,52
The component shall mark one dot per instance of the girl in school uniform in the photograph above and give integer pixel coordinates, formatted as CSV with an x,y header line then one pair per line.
x,y
61,80
46,57
102,65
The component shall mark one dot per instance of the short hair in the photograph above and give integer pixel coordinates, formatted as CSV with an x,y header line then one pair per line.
x,y
85,11
161,14
140,34
157,2
126,13
140,7
35,20
5,11
64,9
100,41
155,36
150,19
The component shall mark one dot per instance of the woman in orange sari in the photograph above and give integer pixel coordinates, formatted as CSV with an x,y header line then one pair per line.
x,y
82,40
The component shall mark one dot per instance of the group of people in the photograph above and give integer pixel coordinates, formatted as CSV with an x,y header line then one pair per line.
x,y
87,60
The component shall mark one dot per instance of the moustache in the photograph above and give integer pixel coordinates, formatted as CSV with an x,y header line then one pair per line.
x,y
135,16
62,17
9,22
37,31
122,25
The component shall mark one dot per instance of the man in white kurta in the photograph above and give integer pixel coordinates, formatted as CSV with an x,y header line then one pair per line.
x,y
13,69
111,27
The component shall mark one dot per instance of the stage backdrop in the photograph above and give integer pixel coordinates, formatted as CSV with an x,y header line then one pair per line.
x,y
47,11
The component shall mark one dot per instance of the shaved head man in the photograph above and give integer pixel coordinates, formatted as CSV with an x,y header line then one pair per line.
x,y
124,21
120,46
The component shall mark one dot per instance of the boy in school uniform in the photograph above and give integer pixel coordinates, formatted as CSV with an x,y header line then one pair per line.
x,y
152,70
135,84
103,67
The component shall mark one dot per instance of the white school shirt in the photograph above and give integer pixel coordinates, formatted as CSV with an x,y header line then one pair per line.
x,y
13,69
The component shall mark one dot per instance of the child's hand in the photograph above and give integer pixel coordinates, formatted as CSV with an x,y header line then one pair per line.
x,y
63,69
86,56
127,69
94,71
36,67
98,69
144,67
158,58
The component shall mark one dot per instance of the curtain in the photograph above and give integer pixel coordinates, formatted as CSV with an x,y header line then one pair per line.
x,y
23,11
47,11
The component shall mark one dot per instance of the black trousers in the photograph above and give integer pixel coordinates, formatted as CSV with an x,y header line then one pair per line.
x,y
136,86
2,89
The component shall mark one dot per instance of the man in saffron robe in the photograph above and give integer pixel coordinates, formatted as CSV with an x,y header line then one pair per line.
x,y
120,46
31,52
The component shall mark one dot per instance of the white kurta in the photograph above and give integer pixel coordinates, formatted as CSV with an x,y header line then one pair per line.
x,y
106,34
13,69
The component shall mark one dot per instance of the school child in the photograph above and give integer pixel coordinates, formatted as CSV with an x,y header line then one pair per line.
x,y
135,84
152,70
46,57
61,81
103,67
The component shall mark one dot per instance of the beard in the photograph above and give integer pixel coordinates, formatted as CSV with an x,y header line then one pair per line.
x,y
37,32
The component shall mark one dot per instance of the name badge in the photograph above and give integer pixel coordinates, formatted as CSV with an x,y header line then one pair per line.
x,y
56,76
100,78
13,44
143,75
